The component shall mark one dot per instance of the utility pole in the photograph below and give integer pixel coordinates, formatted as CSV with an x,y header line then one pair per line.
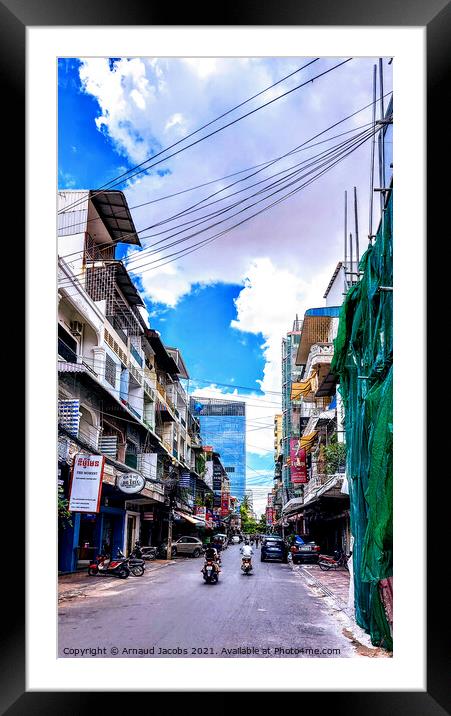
x,y
172,484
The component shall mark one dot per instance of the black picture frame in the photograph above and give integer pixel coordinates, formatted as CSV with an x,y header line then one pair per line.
x,y
435,15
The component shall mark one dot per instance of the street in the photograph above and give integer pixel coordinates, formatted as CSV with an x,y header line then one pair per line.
x,y
171,612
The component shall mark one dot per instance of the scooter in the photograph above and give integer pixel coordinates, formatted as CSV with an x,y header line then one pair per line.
x,y
210,571
102,566
340,559
136,566
148,553
246,565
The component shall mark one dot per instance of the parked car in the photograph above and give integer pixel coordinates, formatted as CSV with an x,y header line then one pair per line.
x,y
304,549
273,547
187,545
235,539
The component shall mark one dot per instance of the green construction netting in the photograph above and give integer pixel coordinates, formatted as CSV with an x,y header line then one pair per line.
x,y
363,360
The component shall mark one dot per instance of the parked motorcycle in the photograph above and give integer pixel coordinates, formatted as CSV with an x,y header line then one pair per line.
x,y
340,559
246,565
210,571
135,564
149,553
103,566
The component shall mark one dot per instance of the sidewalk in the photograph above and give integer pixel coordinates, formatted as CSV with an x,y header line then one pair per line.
x,y
335,583
334,587
80,584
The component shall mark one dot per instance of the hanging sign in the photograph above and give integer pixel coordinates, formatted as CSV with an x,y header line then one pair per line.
x,y
130,482
298,468
86,483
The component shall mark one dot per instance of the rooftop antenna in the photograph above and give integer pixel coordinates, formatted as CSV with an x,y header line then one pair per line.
x,y
370,231
356,226
381,141
346,239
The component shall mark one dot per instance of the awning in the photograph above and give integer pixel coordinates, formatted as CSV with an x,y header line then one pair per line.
x,y
308,440
293,505
189,518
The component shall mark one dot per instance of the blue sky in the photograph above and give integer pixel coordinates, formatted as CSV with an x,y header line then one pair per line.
x,y
228,304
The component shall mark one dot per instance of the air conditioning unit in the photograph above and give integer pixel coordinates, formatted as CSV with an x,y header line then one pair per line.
x,y
76,328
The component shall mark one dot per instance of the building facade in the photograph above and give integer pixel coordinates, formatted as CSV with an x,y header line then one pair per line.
x,y
121,397
223,424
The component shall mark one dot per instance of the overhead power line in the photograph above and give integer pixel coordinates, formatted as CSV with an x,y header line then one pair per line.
x,y
112,183
303,146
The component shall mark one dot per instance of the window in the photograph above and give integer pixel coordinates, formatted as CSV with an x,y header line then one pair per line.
x,y
229,469
110,370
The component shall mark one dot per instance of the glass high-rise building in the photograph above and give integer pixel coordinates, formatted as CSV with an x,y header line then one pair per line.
x,y
223,426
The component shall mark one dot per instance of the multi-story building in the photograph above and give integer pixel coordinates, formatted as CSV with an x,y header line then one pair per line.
x,y
120,395
291,408
223,425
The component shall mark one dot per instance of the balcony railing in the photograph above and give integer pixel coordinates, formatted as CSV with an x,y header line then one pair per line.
x,y
136,355
65,352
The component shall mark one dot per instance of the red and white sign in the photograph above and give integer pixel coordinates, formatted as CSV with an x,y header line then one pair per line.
x,y
225,504
86,483
147,515
298,467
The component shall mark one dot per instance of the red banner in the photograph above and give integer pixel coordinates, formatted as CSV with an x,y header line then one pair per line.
x,y
298,458
269,515
225,504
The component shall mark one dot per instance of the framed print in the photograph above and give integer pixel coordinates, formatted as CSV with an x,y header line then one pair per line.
x,y
226,454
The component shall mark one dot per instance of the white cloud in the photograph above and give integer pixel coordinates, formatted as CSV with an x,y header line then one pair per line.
x,y
284,257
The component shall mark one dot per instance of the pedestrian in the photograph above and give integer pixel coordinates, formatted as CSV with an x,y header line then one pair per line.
x,y
257,538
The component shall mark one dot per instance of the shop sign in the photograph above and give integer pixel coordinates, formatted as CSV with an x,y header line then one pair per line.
x,y
130,482
298,459
86,483
200,512
147,515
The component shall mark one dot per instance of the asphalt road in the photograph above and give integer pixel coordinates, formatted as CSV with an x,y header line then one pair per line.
x,y
172,612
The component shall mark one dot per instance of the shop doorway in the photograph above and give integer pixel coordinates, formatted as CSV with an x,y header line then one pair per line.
x,y
131,531
86,539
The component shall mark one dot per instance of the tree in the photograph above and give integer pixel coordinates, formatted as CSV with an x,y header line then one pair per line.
x,y
64,516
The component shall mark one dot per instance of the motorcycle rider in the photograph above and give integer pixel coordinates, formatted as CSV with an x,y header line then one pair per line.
x,y
212,553
247,552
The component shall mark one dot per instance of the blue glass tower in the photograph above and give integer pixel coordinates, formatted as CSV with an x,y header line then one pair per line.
x,y
223,426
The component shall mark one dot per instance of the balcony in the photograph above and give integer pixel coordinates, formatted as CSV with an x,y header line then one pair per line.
x,y
322,484
136,355
65,352
149,390
319,354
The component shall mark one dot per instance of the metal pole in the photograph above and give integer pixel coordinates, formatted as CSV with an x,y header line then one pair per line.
x,y
356,222
346,238
381,141
370,233
169,548
350,247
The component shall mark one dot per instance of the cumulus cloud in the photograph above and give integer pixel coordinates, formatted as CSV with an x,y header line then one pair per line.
x,y
283,258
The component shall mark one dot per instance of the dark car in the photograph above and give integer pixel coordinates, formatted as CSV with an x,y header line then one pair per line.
x,y
304,549
274,548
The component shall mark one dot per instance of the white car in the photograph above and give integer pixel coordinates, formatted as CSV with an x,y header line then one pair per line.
x,y
187,545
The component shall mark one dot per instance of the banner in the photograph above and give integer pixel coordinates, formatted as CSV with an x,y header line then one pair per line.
x,y
298,466
185,479
209,519
225,504
208,475
200,512
269,516
86,483
217,477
